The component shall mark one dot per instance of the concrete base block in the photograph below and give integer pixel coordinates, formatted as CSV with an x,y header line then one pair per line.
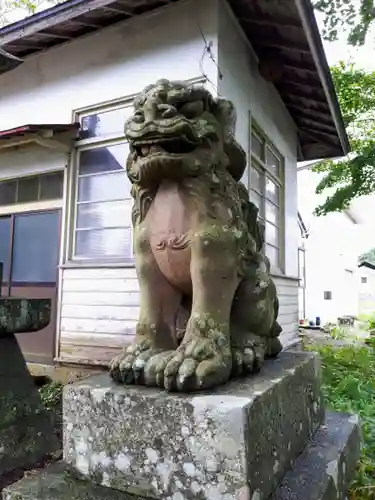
x,y
327,466
234,443
322,472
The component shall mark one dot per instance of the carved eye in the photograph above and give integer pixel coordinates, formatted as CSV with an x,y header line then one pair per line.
x,y
192,109
138,116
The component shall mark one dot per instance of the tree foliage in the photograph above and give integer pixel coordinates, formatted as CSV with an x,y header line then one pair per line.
x,y
353,175
368,256
351,16
13,10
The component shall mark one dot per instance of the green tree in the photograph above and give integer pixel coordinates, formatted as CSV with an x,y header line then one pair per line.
x,y
25,8
352,16
354,175
369,256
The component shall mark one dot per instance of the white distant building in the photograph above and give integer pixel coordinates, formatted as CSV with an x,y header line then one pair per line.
x,y
332,277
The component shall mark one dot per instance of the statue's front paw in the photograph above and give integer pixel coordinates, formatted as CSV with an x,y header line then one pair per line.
x,y
196,365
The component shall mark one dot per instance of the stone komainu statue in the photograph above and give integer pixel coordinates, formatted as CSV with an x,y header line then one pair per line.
x,y
208,307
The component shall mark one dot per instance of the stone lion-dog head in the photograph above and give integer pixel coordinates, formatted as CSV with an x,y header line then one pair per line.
x,y
179,130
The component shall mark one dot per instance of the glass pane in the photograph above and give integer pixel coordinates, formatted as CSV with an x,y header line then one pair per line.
x,y
104,243
257,146
105,159
36,247
256,180
108,214
272,213
5,236
51,186
104,187
256,199
273,162
104,124
28,189
8,192
272,234
273,254
272,191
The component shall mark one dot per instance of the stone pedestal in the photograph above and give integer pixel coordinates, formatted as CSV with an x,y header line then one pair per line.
x,y
261,438
237,440
26,431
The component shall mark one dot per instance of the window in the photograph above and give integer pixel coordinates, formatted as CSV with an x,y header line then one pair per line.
x,y
35,250
102,229
5,239
32,188
266,192
29,248
363,279
327,295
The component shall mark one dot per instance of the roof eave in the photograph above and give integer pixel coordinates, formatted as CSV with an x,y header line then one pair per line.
x,y
8,61
367,264
51,136
315,41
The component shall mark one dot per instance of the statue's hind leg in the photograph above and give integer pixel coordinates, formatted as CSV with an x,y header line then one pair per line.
x,y
254,327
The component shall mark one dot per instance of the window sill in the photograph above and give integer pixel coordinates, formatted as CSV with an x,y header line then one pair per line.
x,y
98,265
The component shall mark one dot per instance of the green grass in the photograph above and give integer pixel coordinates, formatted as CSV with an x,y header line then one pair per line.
x,y
349,386
51,395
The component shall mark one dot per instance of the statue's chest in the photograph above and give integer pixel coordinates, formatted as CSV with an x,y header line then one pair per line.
x,y
169,222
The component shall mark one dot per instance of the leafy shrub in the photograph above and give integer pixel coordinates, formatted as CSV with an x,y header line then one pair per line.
x,y
349,386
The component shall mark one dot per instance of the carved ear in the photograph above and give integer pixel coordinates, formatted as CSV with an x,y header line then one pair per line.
x,y
225,113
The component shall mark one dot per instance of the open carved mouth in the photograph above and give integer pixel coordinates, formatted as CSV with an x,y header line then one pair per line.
x,y
175,146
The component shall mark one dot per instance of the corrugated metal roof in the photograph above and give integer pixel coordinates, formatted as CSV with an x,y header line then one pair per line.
x,y
35,129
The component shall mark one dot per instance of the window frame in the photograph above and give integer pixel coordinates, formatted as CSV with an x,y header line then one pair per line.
x,y
6,281
84,145
260,165
38,176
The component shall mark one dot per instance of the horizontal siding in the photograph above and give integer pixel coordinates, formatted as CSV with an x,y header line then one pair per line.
x,y
287,290
99,310
100,307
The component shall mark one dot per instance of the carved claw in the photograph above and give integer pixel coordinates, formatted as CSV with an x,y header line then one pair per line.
x,y
128,366
248,358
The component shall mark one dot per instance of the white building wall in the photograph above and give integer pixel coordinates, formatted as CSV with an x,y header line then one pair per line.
x,y
128,56
256,98
366,295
